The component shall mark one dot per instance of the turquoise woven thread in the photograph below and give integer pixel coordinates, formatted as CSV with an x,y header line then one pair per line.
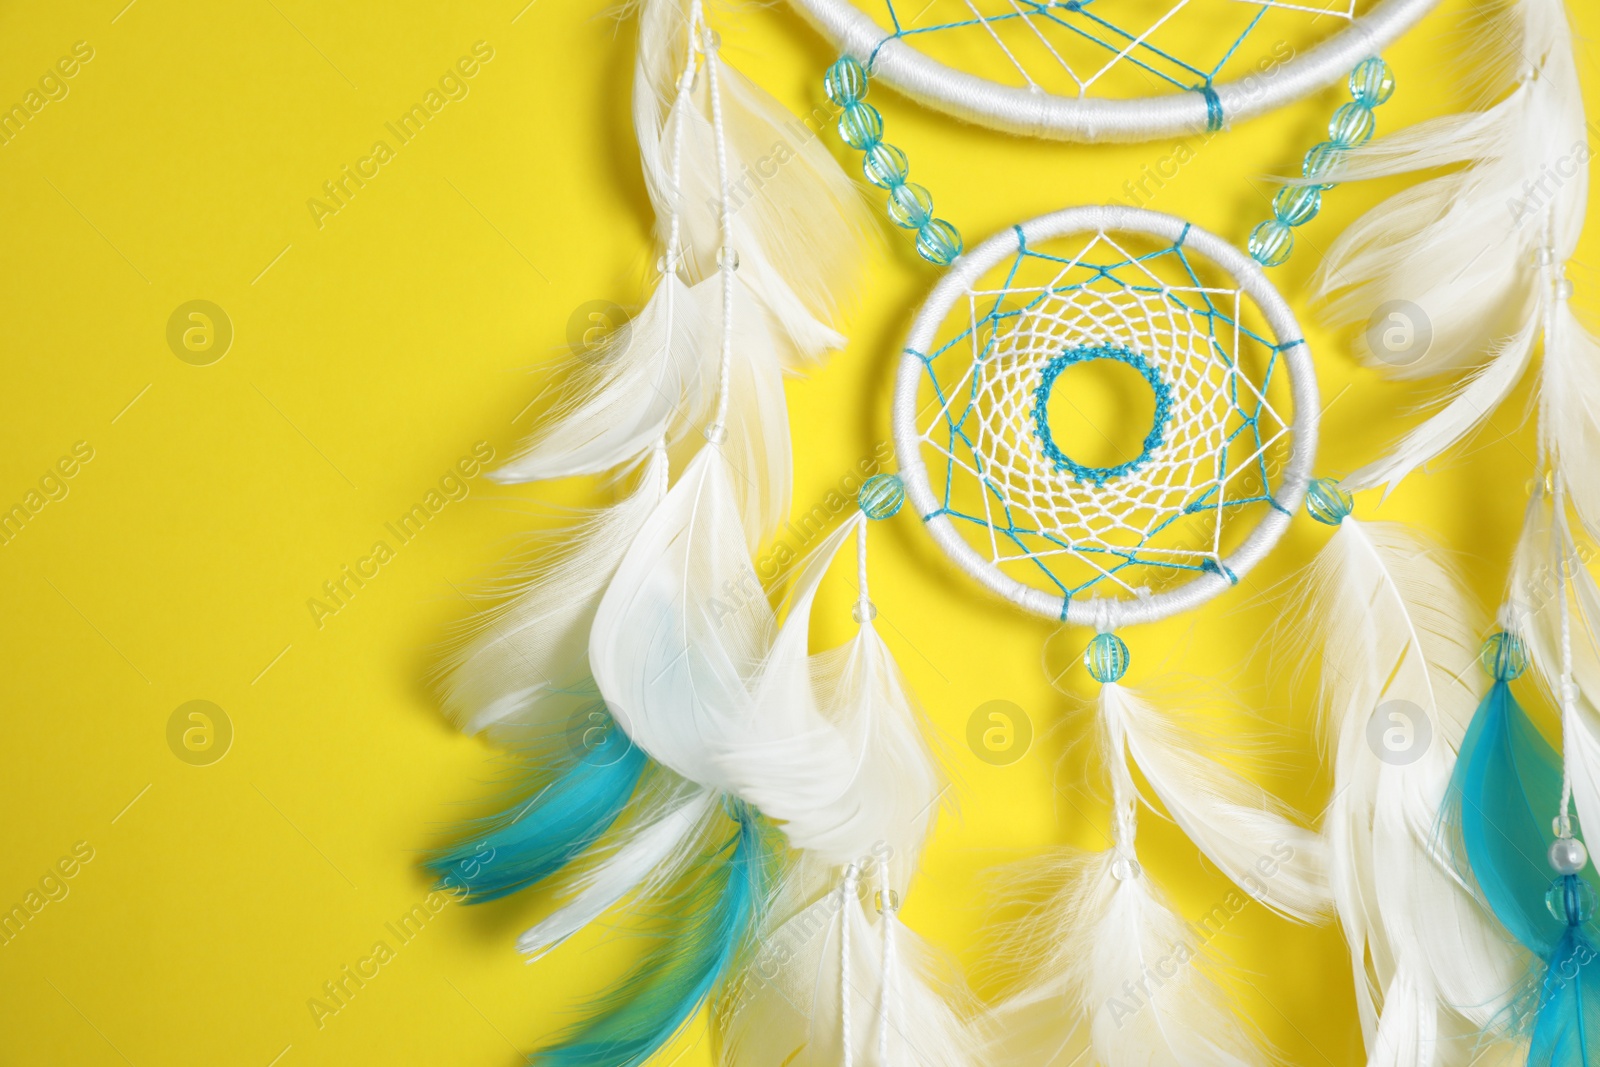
x,y
1041,418
954,433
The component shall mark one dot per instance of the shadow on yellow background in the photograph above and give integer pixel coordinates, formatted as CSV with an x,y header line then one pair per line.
x,y
255,421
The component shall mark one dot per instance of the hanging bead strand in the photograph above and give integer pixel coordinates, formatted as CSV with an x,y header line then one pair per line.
x,y
1352,125
861,126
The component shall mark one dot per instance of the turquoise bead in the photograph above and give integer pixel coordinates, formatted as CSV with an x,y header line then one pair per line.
x,y
1321,159
861,126
910,206
1296,205
885,165
939,243
1570,900
1271,243
1371,83
1107,658
881,496
1327,501
846,82
1352,125
1504,656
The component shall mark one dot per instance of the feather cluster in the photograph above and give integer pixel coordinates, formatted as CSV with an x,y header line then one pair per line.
x,y
1114,975
1471,261
683,749
1399,642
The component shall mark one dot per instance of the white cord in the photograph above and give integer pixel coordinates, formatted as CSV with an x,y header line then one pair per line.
x,y
864,605
726,261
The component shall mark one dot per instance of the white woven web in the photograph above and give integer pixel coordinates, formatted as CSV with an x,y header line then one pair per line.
x,y
1128,532
1069,47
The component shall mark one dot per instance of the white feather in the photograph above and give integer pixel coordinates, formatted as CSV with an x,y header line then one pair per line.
x,y
798,223
757,427
1119,980
642,384
1408,1033
647,855
527,666
1461,247
1399,642
833,751
1475,400
1245,831
683,626
786,1010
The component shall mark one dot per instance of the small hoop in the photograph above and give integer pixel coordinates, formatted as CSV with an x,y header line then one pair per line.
x,y
1088,119
1102,612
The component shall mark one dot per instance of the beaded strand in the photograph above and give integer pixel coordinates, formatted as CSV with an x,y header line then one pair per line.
x,y
1353,124
861,126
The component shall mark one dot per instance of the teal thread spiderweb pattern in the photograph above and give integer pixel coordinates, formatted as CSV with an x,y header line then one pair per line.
x,y
1180,509
1121,47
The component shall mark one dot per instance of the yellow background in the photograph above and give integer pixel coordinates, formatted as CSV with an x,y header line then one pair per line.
x,y
371,354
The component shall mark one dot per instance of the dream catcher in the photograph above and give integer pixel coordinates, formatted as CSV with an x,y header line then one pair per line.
x,y
760,805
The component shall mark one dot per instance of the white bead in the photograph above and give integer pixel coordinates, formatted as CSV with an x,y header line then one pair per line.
x,y
1567,855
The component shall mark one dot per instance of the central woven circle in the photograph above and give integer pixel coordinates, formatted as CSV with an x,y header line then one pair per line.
x,y
1090,354
1039,513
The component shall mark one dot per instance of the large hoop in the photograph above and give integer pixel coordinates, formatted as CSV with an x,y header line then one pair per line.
x,y
1038,114
1102,612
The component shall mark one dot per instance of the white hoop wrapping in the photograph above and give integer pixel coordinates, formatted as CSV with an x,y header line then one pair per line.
x,y
1040,114
1101,612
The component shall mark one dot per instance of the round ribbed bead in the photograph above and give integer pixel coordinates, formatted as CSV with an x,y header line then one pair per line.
x,y
1327,502
1271,243
881,496
1351,125
861,126
846,81
1322,158
1567,855
1296,205
1371,83
939,243
1570,899
910,206
885,165
1504,656
1107,658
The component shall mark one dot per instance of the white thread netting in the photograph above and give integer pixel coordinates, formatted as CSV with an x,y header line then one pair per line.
x,y
1121,530
1111,48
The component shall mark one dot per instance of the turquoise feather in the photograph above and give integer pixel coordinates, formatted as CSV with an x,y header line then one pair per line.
x,y
1504,791
700,940
580,791
1566,1030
